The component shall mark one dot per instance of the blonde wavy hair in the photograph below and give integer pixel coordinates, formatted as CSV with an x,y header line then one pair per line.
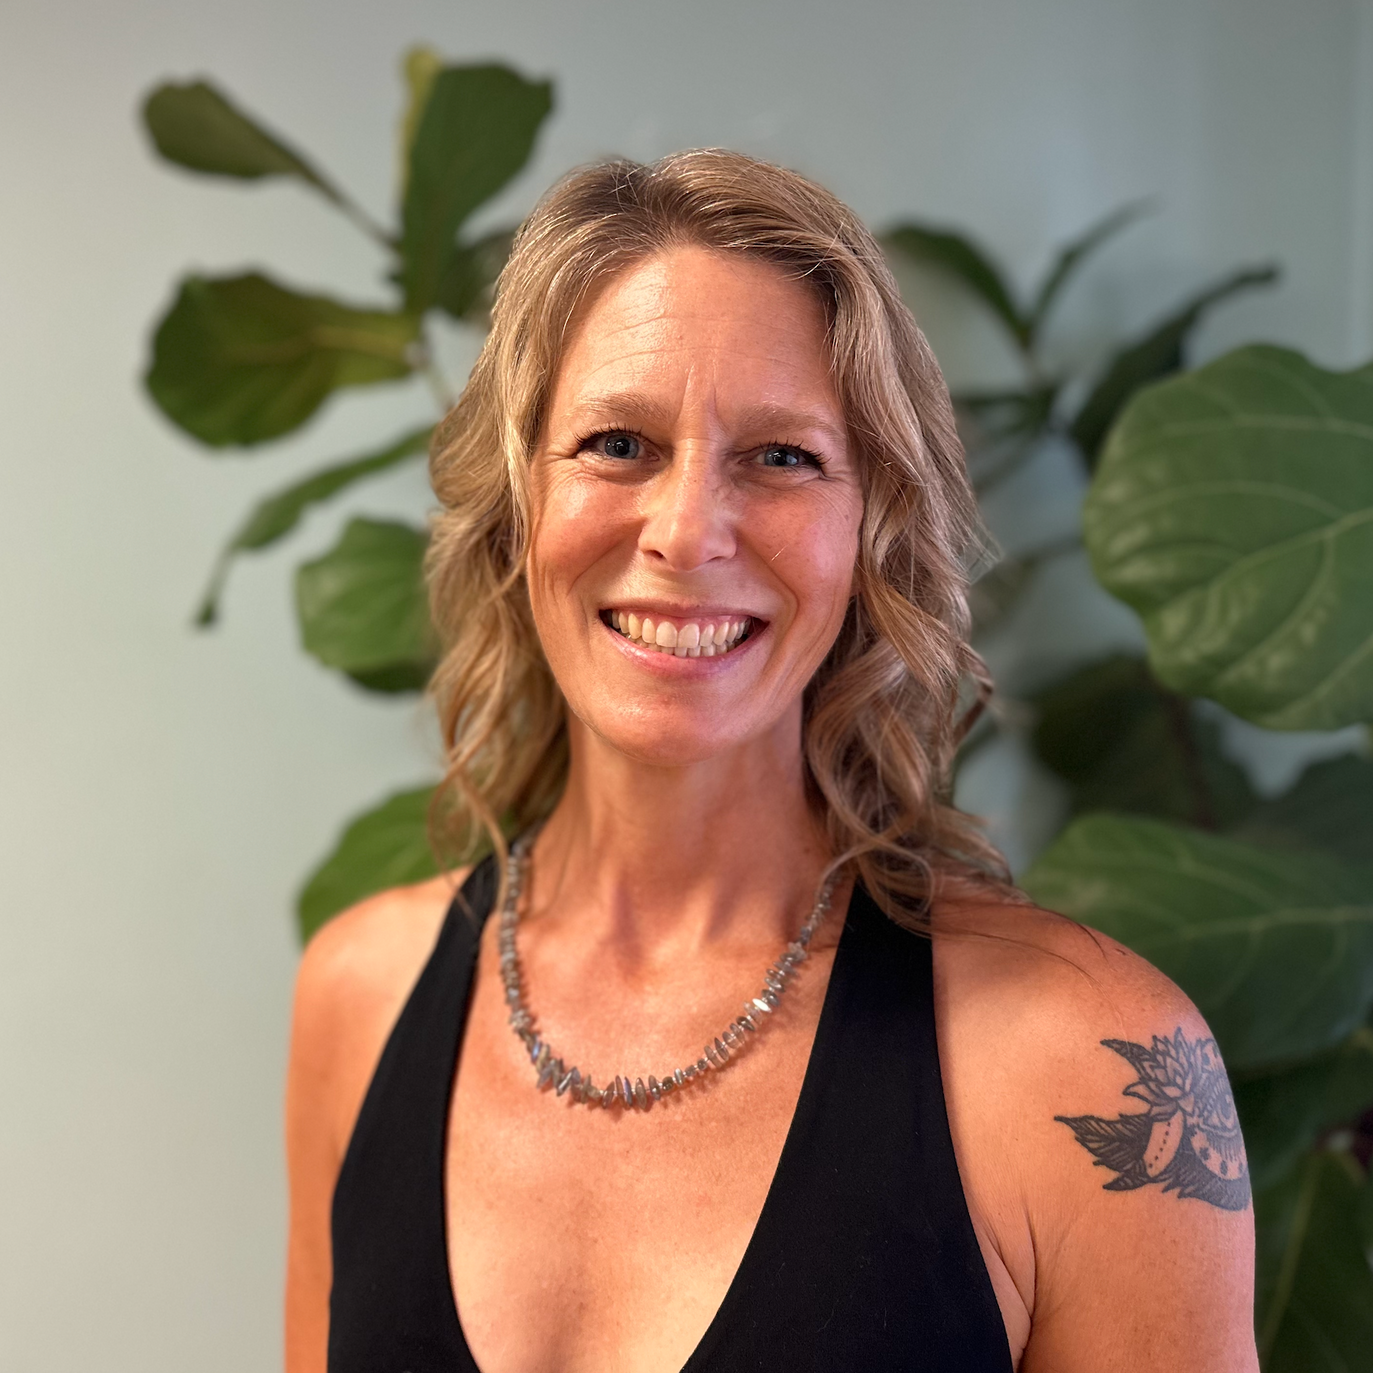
x,y
886,710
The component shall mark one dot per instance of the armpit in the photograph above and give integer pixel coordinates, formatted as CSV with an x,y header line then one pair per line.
x,y
1187,1139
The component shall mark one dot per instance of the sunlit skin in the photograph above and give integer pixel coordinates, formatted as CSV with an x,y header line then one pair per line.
x,y
695,466
695,463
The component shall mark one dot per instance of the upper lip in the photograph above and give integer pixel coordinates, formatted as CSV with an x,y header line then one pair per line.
x,y
675,610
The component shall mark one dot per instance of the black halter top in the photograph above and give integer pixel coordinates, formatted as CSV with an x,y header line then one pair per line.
x,y
863,1258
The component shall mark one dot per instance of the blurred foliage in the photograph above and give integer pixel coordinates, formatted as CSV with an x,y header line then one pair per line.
x,y
1231,507
1005,424
238,361
1123,742
387,847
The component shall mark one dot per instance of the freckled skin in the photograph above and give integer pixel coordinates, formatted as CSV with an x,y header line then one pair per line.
x,y
695,345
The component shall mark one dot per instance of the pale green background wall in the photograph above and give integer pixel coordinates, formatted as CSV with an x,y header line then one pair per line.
x,y
162,792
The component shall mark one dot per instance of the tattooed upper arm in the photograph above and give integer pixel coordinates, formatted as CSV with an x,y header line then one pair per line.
x,y
1187,1138
1100,1151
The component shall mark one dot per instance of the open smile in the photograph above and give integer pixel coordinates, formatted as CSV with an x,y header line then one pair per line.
x,y
712,636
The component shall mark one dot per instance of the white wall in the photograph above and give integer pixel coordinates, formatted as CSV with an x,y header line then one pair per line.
x,y
161,791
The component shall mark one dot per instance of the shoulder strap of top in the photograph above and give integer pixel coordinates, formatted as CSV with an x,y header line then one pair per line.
x,y
389,1247
864,1255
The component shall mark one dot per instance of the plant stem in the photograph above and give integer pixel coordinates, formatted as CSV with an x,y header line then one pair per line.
x,y
421,359
363,220
1180,722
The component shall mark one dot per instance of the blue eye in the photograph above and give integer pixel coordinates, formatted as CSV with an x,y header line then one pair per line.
x,y
623,446
784,455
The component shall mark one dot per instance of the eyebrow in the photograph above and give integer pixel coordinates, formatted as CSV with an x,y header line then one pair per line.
x,y
620,405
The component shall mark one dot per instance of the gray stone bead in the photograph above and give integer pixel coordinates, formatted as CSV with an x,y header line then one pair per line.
x,y
550,1072
703,1065
690,1071
654,1088
608,1097
760,1005
567,1080
591,1095
722,1051
771,998
680,1077
640,1094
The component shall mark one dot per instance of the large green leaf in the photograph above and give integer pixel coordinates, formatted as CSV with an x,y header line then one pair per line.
x,y
466,288
1315,1288
1330,808
957,254
421,66
1275,948
476,132
385,847
1158,354
1073,256
239,360
1284,1113
1233,509
363,610
1124,743
273,518
197,126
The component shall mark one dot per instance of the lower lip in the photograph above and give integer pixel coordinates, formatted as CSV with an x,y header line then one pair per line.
x,y
670,665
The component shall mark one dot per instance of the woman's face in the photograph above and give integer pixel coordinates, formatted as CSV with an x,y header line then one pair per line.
x,y
695,507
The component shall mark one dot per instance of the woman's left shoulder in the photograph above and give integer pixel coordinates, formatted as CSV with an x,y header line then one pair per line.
x,y
1006,968
1096,1135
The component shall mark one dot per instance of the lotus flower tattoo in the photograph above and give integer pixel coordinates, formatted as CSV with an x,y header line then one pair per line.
x,y
1187,1140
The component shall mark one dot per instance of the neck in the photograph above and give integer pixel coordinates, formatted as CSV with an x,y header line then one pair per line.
x,y
668,859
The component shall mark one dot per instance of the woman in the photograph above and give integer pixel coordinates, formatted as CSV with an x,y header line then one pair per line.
x,y
699,573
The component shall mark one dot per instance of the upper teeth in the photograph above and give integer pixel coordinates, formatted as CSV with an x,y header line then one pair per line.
x,y
695,639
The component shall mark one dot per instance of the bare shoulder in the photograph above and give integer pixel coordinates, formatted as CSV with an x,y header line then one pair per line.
x,y
1005,968
1097,1138
354,978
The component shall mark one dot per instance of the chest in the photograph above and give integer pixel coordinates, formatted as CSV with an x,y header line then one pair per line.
x,y
582,1238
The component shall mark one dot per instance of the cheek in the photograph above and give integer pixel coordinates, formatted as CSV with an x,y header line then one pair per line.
x,y
573,526
819,556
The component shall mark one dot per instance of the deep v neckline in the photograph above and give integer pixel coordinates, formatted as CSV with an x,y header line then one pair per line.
x,y
778,1194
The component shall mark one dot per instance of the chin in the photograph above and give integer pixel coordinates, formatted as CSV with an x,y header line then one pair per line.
x,y
664,738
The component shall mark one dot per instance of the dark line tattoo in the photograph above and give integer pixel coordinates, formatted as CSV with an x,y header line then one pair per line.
x,y
1188,1140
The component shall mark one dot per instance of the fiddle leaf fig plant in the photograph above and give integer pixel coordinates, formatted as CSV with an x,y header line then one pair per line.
x,y
1233,509
1010,421
1297,928
239,361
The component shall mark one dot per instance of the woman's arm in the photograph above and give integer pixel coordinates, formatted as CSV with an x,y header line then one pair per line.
x,y
354,978
1095,1128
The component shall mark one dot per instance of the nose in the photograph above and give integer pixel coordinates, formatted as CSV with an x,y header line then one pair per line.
x,y
688,513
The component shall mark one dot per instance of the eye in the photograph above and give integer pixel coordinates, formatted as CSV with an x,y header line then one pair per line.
x,y
787,455
616,444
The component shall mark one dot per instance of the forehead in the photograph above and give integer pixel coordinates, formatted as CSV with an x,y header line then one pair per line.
x,y
693,317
